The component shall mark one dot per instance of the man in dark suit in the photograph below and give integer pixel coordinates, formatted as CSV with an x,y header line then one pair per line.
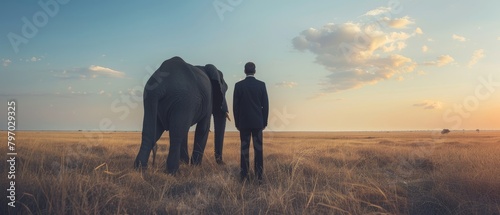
x,y
251,110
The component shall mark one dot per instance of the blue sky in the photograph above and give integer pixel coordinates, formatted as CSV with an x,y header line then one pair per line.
x,y
328,65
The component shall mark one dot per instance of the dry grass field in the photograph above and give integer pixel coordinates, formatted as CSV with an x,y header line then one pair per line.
x,y
306,173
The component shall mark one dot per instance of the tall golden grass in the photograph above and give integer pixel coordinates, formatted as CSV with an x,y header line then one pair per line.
x,y
305,173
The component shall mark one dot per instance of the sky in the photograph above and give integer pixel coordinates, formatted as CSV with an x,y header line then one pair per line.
x,y
328,65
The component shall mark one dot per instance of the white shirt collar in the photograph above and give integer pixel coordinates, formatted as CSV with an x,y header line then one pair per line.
x,y
251,76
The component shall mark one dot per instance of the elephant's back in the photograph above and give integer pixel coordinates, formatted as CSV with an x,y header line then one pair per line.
x,y
180,86
175,76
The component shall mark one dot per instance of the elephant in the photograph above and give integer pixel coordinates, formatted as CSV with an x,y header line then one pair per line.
x,y
177,96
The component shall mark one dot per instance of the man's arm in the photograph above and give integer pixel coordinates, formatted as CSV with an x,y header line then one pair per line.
x,y
236,104
265,105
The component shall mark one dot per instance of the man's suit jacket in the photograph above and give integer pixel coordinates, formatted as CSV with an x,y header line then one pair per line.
x,y
250,104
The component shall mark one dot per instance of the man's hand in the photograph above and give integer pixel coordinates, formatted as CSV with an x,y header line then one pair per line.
x,y
227,116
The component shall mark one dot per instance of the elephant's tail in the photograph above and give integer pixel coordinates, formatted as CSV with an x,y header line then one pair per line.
x,y
155,149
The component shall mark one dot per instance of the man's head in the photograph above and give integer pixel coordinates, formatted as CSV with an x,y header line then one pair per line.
x,y
249,68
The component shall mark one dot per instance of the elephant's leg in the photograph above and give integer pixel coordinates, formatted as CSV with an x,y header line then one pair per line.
x,y
184,150
146,147
178,134
200,140
159,132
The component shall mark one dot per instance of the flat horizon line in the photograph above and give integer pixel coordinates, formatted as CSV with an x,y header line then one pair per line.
x,y
312,131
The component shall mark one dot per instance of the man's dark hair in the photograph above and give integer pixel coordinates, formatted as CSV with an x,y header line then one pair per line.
x,y
250,68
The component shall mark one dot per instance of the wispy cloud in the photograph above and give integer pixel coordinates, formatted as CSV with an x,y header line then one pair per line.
x,y
68,94
429,105
32,59
355,62
419,31
79,93
425,48
73,92
6,62
91,72
35,59
399,22
458,38
440,61
476,56
378,11
106,71
288,84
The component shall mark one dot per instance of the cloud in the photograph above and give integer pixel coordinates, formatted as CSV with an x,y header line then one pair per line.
x,y
91,72
6,62
419,31
394,23
425,48
106,71
35,59
378,11
356,54
32,59
77,93
288,84
429,105
398,22
458,38
441,61
476,56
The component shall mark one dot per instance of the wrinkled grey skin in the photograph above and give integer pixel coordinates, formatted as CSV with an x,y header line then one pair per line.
x,y
177,96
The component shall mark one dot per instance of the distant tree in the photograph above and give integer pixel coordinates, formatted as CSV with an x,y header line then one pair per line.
x,y
445,131
477,130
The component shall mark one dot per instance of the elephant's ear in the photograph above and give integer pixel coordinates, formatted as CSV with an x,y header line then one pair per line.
x,y
223,83
211,72
223,88
216,77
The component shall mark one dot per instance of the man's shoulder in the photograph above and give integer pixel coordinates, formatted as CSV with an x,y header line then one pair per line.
x,y
259,82
250,81
239,82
